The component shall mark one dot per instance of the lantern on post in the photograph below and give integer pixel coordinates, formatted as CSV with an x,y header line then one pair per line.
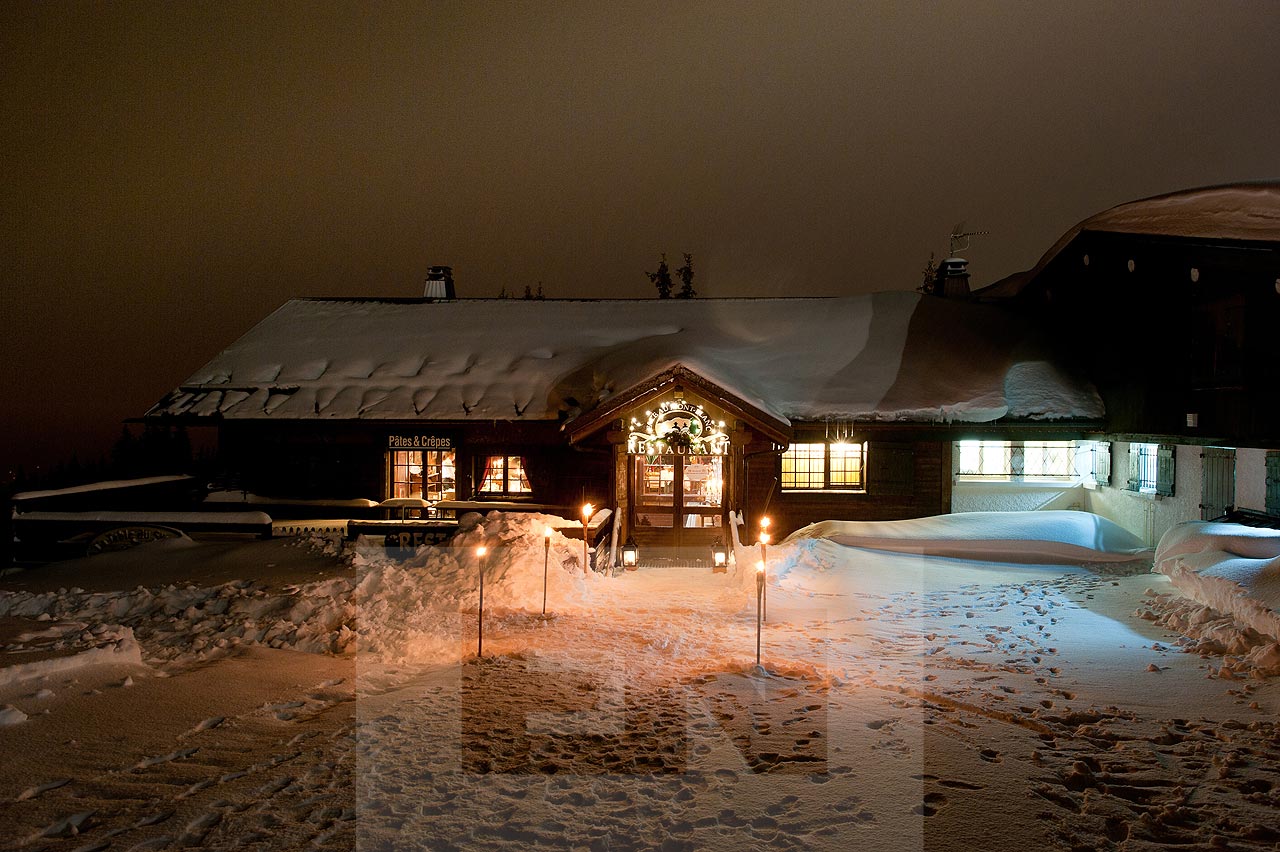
x,y
587,509
630,554
546,556
719,557
480,554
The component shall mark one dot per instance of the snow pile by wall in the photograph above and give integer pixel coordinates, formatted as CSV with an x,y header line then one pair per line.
x,y
393,610
412,611
1055,536
1233,573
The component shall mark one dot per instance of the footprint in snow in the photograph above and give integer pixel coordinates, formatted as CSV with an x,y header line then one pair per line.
x,y
933,802
32,792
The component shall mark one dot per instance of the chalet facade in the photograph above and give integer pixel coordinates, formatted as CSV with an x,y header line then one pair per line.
x,y
671,413
1129,373
1173,304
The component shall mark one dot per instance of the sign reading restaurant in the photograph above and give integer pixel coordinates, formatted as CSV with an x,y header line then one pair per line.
x,y
419,441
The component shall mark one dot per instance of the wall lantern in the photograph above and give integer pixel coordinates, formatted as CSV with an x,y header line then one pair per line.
x,y
630,554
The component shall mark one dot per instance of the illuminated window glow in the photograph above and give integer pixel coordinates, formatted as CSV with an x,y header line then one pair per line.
x,y
504,475
427,474
838,466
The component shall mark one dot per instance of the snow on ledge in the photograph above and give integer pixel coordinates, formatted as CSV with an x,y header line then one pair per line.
x,y
1049,536
108,485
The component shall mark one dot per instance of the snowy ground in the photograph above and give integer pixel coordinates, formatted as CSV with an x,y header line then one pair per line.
x,y
263,695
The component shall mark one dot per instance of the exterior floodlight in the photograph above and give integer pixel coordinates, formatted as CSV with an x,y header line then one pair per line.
x,y
630,554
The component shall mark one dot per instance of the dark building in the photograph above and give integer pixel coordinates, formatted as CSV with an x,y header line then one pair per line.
x,y
673,413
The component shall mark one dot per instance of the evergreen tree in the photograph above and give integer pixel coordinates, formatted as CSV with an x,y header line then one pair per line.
x,y
538,295
528,292
929,274
685,273
661,279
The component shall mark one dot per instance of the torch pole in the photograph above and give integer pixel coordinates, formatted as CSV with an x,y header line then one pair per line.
x,y
480,609
546,555
759,610
585,565
764,591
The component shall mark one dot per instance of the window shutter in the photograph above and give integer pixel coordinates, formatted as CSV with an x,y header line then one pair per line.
x,y
1273,482
1102,462
891,469
1135,468
1164,470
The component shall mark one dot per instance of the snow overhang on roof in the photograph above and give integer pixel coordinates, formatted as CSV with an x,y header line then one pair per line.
x,y
892,356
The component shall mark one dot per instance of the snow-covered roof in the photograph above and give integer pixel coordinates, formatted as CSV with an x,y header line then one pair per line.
x,y
1240,211
889,356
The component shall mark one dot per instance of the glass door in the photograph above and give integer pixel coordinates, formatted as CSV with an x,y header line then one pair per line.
x,y
678,499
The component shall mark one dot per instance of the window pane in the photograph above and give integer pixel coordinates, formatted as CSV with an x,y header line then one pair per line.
x,y
517,481
492,480
846,465
804,466
406,473
703,482
438,475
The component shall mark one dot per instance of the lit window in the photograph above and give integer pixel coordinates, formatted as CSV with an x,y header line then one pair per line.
x,y
428,474
838,466
1018,460
504,475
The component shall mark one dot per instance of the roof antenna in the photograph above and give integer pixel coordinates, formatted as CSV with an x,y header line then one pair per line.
x,y
960,239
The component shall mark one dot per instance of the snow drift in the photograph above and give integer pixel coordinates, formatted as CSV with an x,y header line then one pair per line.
x,y
1234,572
1052,536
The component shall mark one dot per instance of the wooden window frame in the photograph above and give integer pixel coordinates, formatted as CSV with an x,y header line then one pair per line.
x,y
506,492
827,486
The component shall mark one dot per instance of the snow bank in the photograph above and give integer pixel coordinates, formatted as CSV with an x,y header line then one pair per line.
x,y
409,611
394,610
103,645
1051,536
1233,573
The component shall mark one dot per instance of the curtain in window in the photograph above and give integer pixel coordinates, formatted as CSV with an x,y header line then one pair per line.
x,y
492,481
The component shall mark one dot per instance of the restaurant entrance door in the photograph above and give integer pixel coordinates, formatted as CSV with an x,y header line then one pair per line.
x,y
677,499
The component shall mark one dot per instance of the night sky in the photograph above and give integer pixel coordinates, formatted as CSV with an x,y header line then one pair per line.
x,y
173,172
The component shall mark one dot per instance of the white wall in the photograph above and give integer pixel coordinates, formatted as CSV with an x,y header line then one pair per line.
x,y
1014,497
1251,479
1146,515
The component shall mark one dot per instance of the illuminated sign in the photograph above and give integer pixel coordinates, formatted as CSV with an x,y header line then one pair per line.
x,y
678,427
419,442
